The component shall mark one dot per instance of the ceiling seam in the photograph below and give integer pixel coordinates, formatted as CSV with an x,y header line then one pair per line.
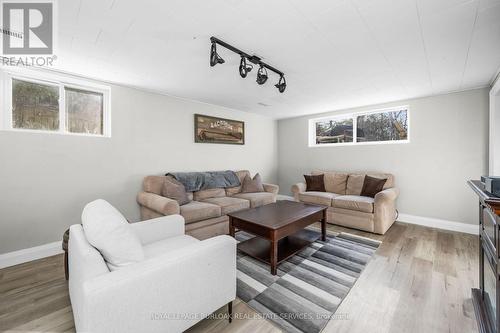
x,y
424,47
377,43
314,26
470,44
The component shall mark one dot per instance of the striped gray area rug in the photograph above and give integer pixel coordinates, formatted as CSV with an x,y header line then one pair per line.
x,y
309,286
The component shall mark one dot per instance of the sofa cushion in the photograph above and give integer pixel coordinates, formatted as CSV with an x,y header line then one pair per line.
x,y
153,184
355,181
210,193
317,198
168,244
173,189
257,199
315,183
354,202
229,204
355,184
241,176
252,185
109,232
372,186
389,182
197,211
335,182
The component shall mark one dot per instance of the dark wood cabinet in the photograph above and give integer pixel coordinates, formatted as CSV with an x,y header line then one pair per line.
x,y
486,298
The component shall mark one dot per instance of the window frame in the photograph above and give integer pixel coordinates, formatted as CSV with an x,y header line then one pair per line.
x,y
61,81
354,116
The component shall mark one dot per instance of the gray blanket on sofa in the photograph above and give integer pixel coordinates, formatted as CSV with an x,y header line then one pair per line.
x,y
195,181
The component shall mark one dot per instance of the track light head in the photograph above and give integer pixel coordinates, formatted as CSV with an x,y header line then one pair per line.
x,y
214,57
281,84
261,75
247,62
244,67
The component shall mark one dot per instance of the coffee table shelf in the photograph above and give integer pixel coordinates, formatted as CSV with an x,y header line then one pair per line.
x,y
259,248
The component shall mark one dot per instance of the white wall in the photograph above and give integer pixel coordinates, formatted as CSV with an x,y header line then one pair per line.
x,y
45,180
448,145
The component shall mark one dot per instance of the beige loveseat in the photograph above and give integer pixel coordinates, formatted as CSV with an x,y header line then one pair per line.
x,y
205,216
346,206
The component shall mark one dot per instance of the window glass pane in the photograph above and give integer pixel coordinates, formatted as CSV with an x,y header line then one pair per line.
x,y
334,131
84,111
384,126
35,106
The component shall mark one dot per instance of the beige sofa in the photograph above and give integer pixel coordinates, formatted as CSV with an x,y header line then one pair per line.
x,y
205,216
346,206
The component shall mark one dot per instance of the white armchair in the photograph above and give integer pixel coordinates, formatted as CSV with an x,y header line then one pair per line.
x,y
181,280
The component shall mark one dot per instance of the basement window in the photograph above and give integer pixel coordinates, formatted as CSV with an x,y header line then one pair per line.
x,y
45,103
372,127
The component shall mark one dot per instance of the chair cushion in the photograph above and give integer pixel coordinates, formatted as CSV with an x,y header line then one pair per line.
x,y
229,204
257,199
354,202
197,211
318,198
168,244
109,232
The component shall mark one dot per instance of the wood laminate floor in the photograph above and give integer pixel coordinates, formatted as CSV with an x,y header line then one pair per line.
x,y
418,281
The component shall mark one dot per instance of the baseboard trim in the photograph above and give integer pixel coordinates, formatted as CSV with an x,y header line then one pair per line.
x,y
33,253
439,223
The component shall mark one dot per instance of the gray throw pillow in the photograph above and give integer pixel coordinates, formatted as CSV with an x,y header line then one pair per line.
x,y
252,185
173,189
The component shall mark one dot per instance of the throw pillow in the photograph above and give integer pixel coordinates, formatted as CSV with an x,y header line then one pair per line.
x,y
109,232
173,189
372,186
252,185
315,183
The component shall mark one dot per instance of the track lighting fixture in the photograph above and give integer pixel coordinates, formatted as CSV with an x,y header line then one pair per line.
x,y
214,57
281,85
245,67
261,75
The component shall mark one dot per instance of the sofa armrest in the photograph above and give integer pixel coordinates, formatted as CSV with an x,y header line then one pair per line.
x,y
387,195
153,230
385,209
297,189
158,203
168,293
271,188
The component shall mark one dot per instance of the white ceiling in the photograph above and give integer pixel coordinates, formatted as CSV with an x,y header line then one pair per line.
x,y
335,53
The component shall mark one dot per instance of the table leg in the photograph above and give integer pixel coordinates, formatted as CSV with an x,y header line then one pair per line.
x,y
274,257
66,266
230,311
323,226
231,227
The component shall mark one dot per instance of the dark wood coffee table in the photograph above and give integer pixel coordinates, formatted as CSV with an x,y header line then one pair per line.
x,y
280,228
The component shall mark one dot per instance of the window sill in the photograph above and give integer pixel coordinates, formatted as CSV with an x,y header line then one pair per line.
x,y
32,131
359,143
